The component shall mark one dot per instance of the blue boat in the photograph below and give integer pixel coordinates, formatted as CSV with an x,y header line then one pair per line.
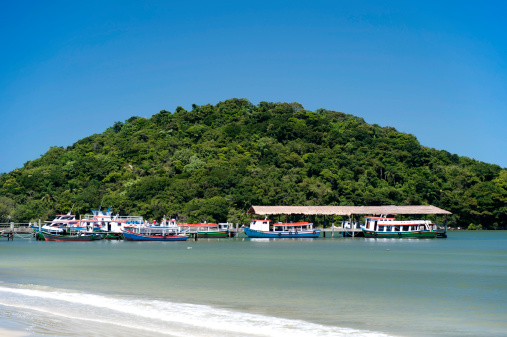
x,y
263,229
139,233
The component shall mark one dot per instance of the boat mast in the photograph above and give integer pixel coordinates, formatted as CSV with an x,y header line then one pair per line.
x,y
100,207
70,212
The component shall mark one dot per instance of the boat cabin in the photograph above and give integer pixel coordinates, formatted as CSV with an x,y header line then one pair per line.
x,y
154,230
292,226
60,222
383,224
266,226
65,217
260,225
203,227
165,223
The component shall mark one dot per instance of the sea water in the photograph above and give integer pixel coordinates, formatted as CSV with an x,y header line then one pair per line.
x,y
257,287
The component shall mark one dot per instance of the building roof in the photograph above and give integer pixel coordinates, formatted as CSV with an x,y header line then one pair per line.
x,y
346,210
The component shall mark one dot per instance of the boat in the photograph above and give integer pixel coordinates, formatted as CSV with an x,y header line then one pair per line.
x,y
206,230
61,222
383,227
103,221
154,233
352,229
80,236
99,222
264,229
106,221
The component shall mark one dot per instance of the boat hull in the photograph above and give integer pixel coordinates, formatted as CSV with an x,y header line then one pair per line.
x,y
252,233
411,235
220,234
72,238
112,235
130,236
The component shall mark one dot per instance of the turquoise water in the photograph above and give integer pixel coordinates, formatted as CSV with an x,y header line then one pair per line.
x,y
257,287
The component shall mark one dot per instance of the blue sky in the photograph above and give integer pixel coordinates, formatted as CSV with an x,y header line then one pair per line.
x,y
435,69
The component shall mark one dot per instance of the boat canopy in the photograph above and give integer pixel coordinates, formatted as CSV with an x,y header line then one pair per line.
x,y
197,225
292,224
347,210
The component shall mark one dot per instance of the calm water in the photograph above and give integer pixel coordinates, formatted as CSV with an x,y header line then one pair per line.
x,y
241,287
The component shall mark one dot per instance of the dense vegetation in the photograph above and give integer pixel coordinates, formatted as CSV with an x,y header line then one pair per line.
x,y
213,162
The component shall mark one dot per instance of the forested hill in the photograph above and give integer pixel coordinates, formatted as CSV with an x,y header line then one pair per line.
x,y
213,162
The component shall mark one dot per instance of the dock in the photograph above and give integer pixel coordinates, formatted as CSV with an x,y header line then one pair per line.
x,y
339,230
10,230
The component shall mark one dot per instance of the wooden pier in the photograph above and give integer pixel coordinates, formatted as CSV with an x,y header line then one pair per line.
x,y
10,230
339,230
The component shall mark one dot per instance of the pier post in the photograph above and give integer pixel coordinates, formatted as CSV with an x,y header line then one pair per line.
x,y
39,225
12,232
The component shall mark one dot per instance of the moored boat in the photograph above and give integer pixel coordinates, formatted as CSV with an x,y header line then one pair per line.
x,y
100,222
206,230
103,221
69,237
61,222
264,229
383,227
154,233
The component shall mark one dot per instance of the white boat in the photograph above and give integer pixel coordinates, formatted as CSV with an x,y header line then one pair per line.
x,y
164,231
207,230
383,227
104,221
264,229
62,223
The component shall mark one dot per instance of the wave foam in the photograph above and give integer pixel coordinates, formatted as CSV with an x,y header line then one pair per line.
x,y
181,319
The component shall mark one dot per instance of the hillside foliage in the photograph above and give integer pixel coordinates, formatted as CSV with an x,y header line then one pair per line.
x,y
213,162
